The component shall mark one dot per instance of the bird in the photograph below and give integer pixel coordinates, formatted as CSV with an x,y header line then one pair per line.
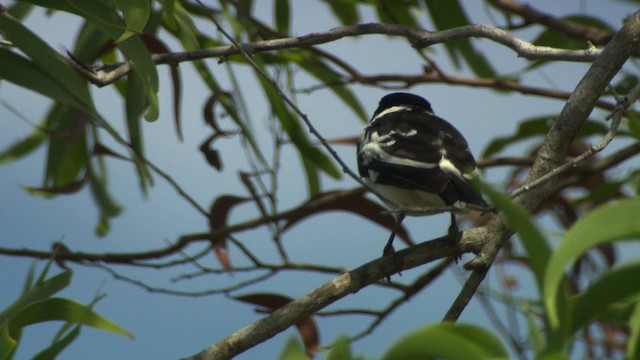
x,y
417,162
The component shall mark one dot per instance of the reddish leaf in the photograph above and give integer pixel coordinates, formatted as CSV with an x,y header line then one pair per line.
x,y
69,188
353,201
350,140
99,149
307,327
218,217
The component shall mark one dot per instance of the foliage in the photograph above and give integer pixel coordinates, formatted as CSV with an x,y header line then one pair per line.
x,y
36,305
580,282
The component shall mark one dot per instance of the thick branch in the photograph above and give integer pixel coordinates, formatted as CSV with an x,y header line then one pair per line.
x,y
324,295
554,147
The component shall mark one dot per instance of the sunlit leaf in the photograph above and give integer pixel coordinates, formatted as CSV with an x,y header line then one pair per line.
x,y
610,222
64,310
448,341
42,290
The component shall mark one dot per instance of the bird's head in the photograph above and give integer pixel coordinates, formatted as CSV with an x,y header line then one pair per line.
x,y
402,100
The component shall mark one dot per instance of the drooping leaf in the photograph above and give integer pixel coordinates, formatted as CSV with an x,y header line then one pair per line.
x,y
282,15
448,341
345,10
450,14
534,243
396,12
70,188
352,201
306,327
607,223
218,218
136,14
321,71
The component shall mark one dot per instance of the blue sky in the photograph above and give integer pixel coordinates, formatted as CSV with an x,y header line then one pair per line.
x,y
171,327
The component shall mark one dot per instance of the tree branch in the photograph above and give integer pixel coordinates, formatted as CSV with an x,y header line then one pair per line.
x,y
326,294
554,149
419,37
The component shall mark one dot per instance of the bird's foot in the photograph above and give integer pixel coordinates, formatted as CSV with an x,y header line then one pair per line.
x,y
389,250
455,236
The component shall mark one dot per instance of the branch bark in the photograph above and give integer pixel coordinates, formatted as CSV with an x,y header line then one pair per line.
x,y
419,37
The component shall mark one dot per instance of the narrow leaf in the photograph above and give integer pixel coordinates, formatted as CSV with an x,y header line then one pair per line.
x,y
613,221
617,284
65,310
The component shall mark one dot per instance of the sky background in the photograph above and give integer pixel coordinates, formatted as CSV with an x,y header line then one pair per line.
x,y
169,327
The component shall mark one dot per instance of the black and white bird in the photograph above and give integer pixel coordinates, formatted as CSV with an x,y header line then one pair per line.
x,y
417,162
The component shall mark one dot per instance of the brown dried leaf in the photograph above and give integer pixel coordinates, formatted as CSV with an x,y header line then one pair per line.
x,y
353,201
307,327
350,140
69,188
218,217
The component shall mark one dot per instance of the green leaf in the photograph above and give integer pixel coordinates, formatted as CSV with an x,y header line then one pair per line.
x,y
519,219
101,13
616,285
48,62
340,349
24,73
144,68
7,343
65,310
134,108
614,221
22,147
396,12
58,345
283,16
136,15
293,350
108,207
560,40
538,126
345,10
450,341
633,344
450,14
40,291
321,71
